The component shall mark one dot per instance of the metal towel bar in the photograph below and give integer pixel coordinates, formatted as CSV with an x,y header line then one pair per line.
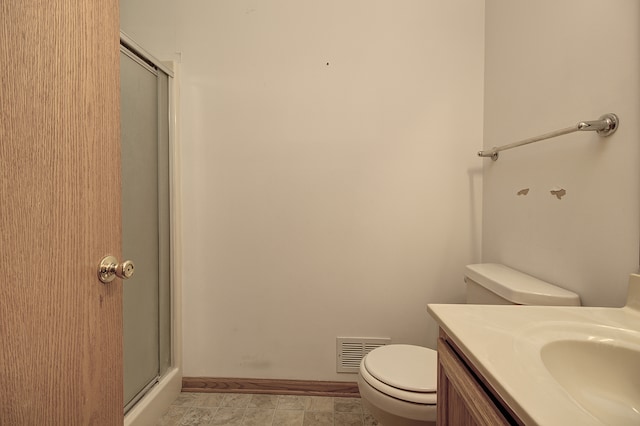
x,y
605,125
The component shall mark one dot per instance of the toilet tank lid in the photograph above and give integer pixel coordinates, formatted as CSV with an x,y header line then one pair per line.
x,y
518,287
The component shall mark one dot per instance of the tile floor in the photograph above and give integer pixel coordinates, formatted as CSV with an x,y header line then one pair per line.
x,y
191,409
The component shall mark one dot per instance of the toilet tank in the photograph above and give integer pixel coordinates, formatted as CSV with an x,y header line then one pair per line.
x,y
496,284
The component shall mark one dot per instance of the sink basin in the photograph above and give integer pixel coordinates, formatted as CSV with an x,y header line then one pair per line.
x,y
601,374
596,366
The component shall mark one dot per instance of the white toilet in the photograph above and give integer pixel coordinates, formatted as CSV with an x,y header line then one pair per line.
x,y
397,383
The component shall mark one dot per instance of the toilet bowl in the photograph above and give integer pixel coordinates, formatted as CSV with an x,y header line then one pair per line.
x,y
397,383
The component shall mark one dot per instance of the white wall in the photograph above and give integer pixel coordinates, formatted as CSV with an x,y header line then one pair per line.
x,y
325,200
330,183
329,177
550,64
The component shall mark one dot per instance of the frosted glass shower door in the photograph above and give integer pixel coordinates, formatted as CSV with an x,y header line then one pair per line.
x,y
145,225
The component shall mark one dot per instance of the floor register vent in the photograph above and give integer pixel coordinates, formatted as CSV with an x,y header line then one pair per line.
x,y
351,350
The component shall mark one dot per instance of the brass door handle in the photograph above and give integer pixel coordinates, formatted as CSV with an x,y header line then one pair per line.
x,y
109,268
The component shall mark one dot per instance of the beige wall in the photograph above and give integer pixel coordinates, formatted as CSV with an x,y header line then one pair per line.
x,y
550,64
329,176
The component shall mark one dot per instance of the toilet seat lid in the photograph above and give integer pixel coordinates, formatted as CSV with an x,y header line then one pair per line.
x,y
405,367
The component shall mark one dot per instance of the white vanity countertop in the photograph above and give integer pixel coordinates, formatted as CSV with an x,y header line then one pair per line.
x,y
503,343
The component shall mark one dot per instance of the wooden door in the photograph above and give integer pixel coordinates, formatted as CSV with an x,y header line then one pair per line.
x,y
61,329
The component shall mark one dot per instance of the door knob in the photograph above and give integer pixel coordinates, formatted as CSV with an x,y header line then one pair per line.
x,y
109,268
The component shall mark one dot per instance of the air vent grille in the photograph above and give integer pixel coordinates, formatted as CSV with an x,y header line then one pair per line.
x,y
351,350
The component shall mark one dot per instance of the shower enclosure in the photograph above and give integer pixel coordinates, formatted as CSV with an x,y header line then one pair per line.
x,y
145,219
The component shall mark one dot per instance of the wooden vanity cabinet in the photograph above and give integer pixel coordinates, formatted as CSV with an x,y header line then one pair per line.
x,y
464,397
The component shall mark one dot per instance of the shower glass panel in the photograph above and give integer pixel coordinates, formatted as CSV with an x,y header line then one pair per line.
x,y
145,224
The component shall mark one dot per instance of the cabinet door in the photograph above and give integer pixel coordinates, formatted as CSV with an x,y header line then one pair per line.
x,y
461,399
61,328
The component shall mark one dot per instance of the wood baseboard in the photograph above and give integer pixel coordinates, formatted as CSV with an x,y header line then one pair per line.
x,y
270,386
